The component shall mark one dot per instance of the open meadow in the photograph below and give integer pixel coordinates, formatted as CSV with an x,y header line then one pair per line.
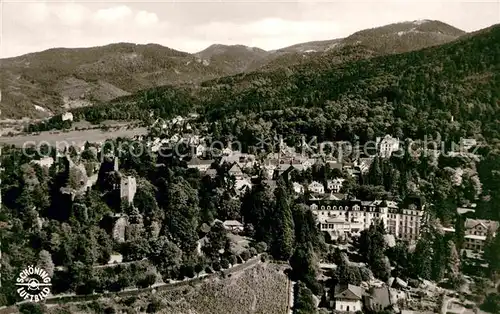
x,y
70,138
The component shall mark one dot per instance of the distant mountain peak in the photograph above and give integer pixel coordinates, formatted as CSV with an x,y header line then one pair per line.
x,y
420,22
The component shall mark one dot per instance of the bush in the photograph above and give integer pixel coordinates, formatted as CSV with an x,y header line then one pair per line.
x,y
148,280
261,247
239,259
154,306
198,268
31,308
209,270
110,310
366,274
187,271
130,300
224,263
233,260
245,255
263,257
253,251
304,301
216,266
492,303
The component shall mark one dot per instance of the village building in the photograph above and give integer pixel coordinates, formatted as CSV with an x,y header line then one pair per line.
x,y
115,259
476,231
241,186
177,120
348,217
363,164
298,188
316,187
201,164
405,223
212,173
199,150
128,188
44,162
269,167
119,228
348,298
335,185
233,226
236,171
67,116
387,145
174,138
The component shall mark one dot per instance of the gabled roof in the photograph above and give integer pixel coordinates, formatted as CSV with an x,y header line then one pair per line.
x,y
235,168
349,292
487,224
333,197
232,223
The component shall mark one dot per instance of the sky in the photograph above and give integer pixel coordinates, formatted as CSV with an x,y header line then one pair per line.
x,y
191,26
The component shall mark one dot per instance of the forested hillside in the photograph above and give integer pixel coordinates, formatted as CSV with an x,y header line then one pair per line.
x,y
451,89
46,83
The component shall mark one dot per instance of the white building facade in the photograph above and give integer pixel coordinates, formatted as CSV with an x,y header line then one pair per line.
x,y
345,218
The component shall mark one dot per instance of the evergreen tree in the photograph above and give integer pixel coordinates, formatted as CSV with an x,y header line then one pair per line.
x,y
453,265
283,227
459,232
45,262
492,255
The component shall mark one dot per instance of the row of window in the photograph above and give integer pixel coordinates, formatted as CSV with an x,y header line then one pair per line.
x,y
348,309
371,209
475,247
473,240
323,207
330,214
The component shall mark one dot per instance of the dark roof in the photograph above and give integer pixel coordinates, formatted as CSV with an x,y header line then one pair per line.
x,y
199,162
334,165
235,168
349,292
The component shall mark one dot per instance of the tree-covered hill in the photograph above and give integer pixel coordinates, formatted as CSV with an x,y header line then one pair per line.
x,y
418,92
61,78
452,89
49,82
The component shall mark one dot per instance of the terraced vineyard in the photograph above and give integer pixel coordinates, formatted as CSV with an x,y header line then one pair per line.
x,y
259,290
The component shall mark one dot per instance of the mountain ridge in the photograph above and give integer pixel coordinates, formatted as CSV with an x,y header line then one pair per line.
x,y
49,82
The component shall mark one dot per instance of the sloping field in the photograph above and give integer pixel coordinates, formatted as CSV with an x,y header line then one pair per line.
x,y
70,138
260,289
